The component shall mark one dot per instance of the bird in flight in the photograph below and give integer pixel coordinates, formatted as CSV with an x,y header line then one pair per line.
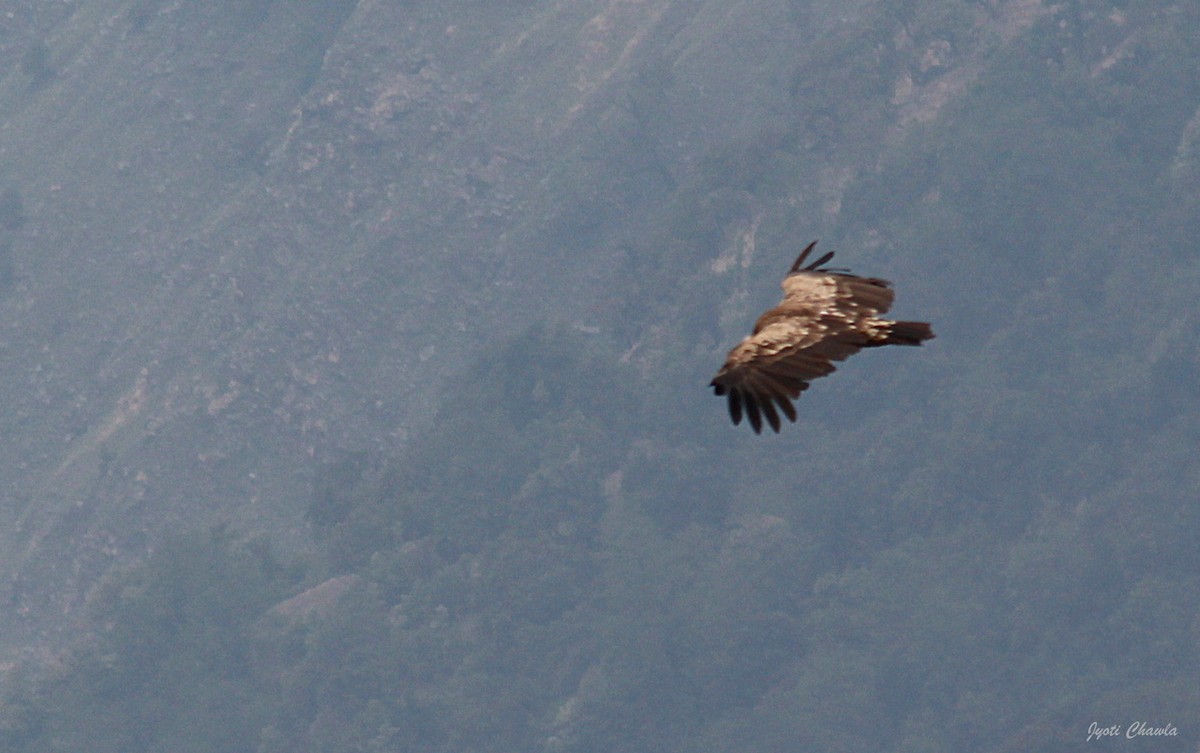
x,y
826,315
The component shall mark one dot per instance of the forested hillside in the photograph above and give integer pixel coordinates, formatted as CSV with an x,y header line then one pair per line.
x,y
355,360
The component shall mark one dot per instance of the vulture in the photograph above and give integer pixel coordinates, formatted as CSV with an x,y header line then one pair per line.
x,y
826,315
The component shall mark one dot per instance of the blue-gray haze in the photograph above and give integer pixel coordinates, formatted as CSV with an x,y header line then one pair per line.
x,y
353,361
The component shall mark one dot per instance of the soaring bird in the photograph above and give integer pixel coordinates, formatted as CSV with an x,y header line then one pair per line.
x,y
826,315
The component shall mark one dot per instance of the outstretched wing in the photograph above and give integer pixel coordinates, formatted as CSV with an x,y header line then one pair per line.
x,y
824,317
768,370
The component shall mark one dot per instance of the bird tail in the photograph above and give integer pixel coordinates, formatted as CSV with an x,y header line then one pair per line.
x,y
908,333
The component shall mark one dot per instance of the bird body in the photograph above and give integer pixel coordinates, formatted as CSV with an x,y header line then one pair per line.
x,y
826,315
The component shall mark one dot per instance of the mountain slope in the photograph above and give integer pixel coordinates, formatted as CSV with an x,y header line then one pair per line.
x,y
425,295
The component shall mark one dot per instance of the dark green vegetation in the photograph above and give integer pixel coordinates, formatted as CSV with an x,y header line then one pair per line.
x,y
986,544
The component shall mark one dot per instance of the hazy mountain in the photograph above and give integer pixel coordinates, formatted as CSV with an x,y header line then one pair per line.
x,y
353,360
252,234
